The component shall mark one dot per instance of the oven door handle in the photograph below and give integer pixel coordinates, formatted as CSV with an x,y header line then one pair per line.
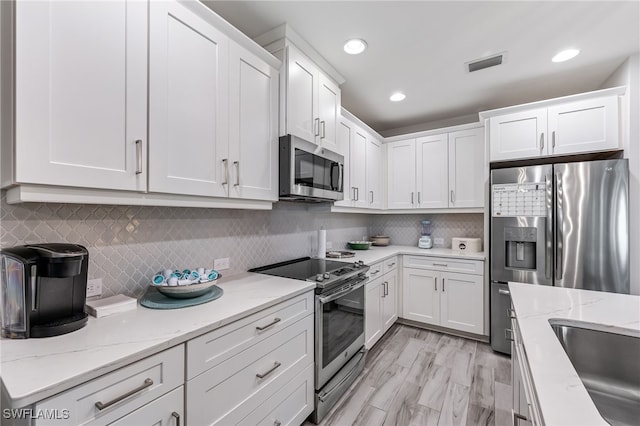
x,y
330,298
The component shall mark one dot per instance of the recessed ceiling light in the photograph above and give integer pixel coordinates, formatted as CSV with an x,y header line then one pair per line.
x,y
397,97
565,55
355,46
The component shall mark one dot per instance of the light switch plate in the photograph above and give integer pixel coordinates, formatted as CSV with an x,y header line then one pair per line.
x,y
94,287
221,264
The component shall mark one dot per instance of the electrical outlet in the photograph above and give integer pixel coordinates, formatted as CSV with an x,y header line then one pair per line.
x,y
329,245
221,264
438,241
94,287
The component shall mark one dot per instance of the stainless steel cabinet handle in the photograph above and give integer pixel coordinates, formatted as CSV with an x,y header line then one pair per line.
x,y
323,134
277,423
435,284
541,141
237,164
371,192
272,323
418,197
511,314
505,292
517,417
177,417
553,139
508,334
559,224
385,289
139,156
225,162
271,370
374,272
453,198
353,193
390,265
357,194
101,406
444,265
412,198
443,285
316,127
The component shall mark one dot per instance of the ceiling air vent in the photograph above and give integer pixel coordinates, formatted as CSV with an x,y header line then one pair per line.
x,y
483,63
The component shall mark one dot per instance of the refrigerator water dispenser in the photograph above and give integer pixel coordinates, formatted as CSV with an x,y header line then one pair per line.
x,y
520,247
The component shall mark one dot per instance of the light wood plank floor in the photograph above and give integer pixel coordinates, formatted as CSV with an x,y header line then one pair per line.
x,y
419,377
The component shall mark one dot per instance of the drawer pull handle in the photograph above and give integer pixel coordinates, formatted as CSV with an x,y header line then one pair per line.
x,y
271,370
146,384
444,265
177,417
517,417
508,334
274,322
391,265
277,423
375,272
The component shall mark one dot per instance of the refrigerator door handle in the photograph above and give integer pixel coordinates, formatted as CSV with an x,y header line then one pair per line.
x,y
549,227
559,221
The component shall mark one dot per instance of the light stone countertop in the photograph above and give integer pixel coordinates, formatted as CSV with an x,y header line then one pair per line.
x,y
34,369
562,397
377,254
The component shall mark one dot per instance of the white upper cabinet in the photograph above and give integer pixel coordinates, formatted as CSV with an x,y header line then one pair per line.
x,y
358,168
518,135
437,171
302,96
432,172
188,103
582,126
577,124
401,166
374,173
81,94
312,107
466,168
253,130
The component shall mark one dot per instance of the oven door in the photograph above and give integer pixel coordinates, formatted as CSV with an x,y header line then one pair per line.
x,y
339,328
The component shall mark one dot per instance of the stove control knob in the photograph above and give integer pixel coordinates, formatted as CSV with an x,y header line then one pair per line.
x,y
356,264
360,262
319,278
326,276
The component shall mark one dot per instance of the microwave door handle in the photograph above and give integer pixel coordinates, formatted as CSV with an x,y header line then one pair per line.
x,y
549,227
340,177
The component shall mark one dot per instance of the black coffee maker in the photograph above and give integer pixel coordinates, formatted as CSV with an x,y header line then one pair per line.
x,y
43,289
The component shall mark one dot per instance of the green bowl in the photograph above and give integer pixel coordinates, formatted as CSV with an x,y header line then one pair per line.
x,y
359,245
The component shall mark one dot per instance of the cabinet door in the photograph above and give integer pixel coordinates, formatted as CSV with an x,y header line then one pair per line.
x,y
328,111
302,96
466,168
374,173
420,296
462,302
358,164
401,174
583,126
167,410
253,130
518,135
188,103
81,94
389,301
372,312
432,172
345,134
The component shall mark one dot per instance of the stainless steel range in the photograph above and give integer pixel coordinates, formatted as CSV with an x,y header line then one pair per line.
x,y
339,323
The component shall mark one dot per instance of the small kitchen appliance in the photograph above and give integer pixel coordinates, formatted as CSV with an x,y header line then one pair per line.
x,y
339,322
425,241
43,289
466,245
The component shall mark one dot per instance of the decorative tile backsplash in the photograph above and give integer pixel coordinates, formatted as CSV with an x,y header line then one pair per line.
x,y
128,244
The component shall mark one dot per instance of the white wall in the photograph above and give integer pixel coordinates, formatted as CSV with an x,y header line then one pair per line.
x,y
628,74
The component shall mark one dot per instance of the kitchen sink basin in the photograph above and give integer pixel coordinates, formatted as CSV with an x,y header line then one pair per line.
x,y
609,366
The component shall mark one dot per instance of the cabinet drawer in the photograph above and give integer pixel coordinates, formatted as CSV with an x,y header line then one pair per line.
x,y
230,391
390,265
444,264
289,406
164,411
153,376
213,348
375,270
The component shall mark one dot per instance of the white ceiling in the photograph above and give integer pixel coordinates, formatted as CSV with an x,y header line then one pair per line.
x,y
420,47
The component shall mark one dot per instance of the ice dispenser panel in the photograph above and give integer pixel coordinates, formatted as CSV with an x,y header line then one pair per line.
x,y
520,247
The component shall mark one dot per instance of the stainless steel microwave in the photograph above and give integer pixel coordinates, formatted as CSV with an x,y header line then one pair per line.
x,y
309,172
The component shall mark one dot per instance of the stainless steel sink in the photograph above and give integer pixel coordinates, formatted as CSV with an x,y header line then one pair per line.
x,y
609,366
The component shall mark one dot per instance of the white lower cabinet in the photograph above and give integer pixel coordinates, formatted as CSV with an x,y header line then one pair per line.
x,y
525,406
165,411
381,302
431,294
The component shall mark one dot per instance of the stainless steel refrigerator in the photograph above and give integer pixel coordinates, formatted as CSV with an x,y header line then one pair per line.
x,y
557,224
